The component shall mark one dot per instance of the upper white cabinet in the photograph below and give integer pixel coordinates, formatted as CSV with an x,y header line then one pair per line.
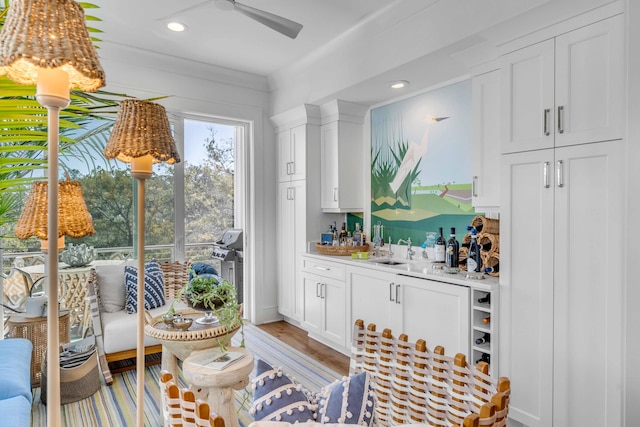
x,y
292,152
342,157
566,90
486,140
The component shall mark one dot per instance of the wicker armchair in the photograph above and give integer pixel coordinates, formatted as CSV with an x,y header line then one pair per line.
x,y
176,275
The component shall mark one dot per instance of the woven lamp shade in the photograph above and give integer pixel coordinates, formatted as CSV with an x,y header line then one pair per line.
x,y
49,34
142,128
74,219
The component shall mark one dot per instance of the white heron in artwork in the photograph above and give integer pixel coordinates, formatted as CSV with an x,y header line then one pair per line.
x,y
413,154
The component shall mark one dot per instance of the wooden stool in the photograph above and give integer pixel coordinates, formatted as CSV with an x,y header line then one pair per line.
x,y
220,385
35,330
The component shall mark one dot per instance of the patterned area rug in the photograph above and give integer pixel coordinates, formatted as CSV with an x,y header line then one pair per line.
x,y
116,405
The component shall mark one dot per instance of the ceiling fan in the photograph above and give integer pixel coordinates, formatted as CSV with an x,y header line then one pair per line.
x,y
280,24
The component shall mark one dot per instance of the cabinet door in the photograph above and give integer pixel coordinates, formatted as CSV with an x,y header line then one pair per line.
x,y
329,156
436,312
286,274
298,152
372,295
298,227
588,292
590,83
334,311
528,98
486,140
284,156
313,303
527,284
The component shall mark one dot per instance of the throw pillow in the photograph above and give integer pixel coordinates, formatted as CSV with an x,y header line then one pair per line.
x,y
153,286
276,397
110,278
200,268
349,401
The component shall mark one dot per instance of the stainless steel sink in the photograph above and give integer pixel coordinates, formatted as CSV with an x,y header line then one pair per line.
x,y
389,261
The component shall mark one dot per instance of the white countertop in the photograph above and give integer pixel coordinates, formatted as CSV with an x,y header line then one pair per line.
x,y
418,268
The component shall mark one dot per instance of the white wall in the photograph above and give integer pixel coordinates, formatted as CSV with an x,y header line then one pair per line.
x,y
204,90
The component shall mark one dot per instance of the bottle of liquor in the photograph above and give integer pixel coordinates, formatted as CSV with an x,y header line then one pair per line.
x,y
485,299
483,339
451,256
474,262
486,319
343,234
484,358
439,249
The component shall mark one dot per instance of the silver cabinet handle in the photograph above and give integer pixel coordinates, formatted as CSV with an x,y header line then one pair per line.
x,y
288,168
474,183
323,290
561,119
560,173
545,119
545,175
318,289
397,297
293,168
335,194
318,267
391,291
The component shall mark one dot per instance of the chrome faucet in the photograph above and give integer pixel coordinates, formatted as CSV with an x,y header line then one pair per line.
x,y
390,252
410,252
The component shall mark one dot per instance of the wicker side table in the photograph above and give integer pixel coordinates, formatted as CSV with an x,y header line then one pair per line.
x,y
35,330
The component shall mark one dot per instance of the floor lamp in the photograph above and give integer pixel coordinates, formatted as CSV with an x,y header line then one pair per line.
x,y
46,43
141,136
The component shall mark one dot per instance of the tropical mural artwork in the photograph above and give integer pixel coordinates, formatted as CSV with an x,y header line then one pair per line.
x,y
421,163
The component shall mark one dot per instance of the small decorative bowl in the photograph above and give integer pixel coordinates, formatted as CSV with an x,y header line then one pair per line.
x,y
183,323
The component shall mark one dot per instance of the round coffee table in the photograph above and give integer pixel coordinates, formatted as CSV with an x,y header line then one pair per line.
x,y
220,384
179,344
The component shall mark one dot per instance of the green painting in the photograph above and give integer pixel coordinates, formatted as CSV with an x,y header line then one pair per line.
x,y
421,164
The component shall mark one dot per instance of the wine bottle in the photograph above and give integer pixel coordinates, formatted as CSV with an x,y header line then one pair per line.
x,y
484,358
474,261
451,256
486,319
494,269
485,299
439,249
343,233
483,339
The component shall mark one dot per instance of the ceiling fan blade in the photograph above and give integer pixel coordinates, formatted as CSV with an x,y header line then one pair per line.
x,y
275,22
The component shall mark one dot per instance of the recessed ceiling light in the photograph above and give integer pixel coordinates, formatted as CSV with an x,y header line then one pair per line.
x,y
176,26
398,84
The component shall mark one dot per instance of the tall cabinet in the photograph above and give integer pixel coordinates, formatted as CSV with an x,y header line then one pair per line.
x,y
561,294
298,204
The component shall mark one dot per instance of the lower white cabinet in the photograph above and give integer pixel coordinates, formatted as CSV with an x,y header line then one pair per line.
x,y
324,308
434,311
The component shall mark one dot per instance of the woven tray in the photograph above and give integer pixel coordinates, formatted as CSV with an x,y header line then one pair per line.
x,y
340,250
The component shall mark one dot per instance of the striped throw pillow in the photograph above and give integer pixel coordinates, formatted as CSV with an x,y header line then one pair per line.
x,y
153,287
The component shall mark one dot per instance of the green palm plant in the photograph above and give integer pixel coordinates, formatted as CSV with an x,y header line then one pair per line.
x,y
84,127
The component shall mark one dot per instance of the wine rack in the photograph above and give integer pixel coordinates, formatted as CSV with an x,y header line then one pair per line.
x,y
483,325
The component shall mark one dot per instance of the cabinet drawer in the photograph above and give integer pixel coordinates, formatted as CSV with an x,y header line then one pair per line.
x,y
324,268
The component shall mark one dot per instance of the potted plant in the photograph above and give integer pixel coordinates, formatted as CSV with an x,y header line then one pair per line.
x,y
218,299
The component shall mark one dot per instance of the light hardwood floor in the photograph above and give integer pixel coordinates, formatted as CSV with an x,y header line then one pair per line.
x,y
298,339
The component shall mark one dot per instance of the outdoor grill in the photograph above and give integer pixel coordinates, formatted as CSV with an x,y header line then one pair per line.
x,y
229,251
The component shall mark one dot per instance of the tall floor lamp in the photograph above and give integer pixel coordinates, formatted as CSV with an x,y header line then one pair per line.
x,y
46,42
141,136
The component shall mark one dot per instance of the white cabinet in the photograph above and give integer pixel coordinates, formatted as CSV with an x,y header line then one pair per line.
x,y
324,308
486,140
421,308
298,201
372,297
561,303
434,311
291,224
565,91
342,157
292,154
